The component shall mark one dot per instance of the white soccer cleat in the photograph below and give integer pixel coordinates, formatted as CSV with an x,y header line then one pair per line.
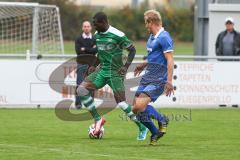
x,y
98,125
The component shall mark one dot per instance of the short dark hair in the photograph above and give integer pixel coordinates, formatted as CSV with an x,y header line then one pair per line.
x,y
100,17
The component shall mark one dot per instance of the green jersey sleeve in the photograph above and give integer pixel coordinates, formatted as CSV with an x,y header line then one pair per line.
x,y
124,42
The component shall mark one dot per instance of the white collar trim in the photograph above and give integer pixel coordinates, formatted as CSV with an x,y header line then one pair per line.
x,y
84,35
159,32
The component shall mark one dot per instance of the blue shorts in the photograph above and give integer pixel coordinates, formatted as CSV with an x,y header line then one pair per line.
x,y
151,90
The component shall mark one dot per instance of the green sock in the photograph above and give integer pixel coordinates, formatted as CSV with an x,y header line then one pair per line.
x,y
90,105
133,117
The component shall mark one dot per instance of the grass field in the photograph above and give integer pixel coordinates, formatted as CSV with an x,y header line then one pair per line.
x,y
36,134
181,48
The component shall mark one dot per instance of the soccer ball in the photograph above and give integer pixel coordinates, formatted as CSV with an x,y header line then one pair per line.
x,y
92,135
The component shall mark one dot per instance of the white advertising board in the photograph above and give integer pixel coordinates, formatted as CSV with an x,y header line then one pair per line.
x,y
204,84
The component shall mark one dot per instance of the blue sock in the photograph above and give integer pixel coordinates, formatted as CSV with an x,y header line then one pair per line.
x,y
145,119
155,114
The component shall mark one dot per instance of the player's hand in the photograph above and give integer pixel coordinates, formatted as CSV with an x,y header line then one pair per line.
x,y
123,70
169,89
138,70
91,69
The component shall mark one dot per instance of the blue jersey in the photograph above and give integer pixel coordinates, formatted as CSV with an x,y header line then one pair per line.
x,y
155,77
156,70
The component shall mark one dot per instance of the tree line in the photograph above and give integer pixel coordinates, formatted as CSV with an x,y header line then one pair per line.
x,y
179,22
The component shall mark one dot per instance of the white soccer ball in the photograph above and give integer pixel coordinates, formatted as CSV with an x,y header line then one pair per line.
x,y
94,136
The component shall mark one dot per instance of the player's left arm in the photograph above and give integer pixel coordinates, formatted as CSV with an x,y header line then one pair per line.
x,y
170,64
131,54
126,44
167,46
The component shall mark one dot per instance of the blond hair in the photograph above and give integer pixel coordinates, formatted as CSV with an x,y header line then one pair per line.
x,y
153,16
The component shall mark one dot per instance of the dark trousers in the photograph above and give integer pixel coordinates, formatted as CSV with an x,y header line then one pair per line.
x,y
81,74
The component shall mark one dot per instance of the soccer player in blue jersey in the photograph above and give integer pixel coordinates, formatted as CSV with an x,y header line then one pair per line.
x,y
158,76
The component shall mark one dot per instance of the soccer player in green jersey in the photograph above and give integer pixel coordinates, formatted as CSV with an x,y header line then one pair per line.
x,y
110,43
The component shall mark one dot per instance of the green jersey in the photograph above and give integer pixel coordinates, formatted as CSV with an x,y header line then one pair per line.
x,y
110,49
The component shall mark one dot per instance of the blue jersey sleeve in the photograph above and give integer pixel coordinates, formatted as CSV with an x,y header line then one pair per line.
x,y
167,43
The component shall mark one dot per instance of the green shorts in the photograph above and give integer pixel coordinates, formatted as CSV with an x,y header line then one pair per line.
x,y
99,79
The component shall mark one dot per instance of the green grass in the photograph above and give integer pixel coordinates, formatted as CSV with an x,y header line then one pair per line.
x,y
181,48
30,134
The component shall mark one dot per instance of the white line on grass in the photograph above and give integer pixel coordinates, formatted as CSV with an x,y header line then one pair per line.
x,y
52,149
74,152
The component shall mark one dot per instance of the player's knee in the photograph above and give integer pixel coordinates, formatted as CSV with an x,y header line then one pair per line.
x,y
135,110
138,106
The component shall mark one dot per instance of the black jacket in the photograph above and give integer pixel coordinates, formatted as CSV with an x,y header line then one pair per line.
x,y
236,44
87,43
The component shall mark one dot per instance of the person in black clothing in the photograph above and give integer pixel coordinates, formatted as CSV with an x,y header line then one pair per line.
x,y
85,44
228,41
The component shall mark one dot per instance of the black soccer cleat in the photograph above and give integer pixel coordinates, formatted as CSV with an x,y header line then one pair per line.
x,y
155,138
163,126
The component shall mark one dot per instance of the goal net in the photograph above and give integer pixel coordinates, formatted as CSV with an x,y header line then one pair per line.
x,y
30,27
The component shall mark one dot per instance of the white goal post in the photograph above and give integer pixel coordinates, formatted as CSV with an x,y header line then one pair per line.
x,y
30,27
